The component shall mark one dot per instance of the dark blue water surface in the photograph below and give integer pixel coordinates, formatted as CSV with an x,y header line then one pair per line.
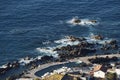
x,y
25,24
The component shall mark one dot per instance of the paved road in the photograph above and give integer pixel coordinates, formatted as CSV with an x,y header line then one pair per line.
x,y
32,72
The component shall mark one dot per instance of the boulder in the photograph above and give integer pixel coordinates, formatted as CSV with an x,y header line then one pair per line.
x,y
77,21
93,21
97,37
15,64
46,58
112,42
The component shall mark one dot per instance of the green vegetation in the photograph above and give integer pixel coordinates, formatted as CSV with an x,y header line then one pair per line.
x,y
36,79
54,77
111,76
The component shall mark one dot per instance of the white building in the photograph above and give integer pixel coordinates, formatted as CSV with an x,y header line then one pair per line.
x,y
99,71
24,79
118,73
99,74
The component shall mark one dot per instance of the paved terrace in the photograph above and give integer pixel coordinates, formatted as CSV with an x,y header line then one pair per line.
x,y
32,72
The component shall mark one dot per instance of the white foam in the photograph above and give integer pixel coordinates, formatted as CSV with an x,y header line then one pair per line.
x,y
38,57
48,51
24,61
83,22
65,42
62,41
46,42
92,40
68,41
3,66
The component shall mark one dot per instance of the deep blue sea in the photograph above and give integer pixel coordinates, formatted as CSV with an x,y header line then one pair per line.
x,y
26,24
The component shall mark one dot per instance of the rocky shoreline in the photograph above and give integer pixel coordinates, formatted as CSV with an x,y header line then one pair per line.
x,y
84,48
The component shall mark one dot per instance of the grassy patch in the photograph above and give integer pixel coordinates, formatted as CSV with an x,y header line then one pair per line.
x,y
54,77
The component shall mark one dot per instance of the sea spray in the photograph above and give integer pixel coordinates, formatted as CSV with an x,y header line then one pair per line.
x,y
82,22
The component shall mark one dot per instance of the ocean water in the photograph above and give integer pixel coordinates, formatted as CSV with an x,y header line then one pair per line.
x,y
26,25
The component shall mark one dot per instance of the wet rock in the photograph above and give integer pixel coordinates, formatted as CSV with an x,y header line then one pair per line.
x,y
105,47
112,42
3,70
70,51
72,38
76,53
93,21
74,47
15,64
82,39
27,58
6,68
77,21
102,60
9,66
86,44
97,37
115,46
45,58
109,47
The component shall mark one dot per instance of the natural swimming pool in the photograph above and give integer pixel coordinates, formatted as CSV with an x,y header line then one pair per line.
x,y
51,68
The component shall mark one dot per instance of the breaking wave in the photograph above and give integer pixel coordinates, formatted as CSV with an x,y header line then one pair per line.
x,y
48,51
24,61
83,22
92,40
67,41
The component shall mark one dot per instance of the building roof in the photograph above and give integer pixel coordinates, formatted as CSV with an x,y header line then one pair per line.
x,y
111,70
99,67
118,71
24,79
